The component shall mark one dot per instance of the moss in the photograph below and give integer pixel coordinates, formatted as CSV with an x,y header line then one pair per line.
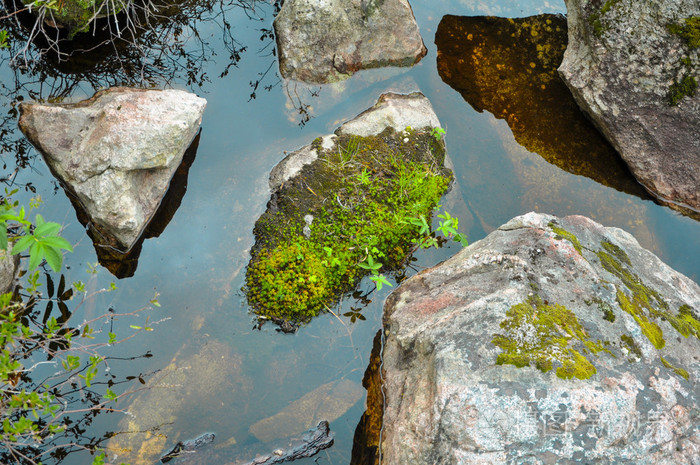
x,y
649,328
678,371
690,31
360,194
564,234
616,252
596,20
686,87
685,322
78,15
631,345
540,334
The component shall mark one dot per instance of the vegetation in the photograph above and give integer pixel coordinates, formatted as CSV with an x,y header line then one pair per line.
x,y
690,31
43,411
686,87
361,208
596,19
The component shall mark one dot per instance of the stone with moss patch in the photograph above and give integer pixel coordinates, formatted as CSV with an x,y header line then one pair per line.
x,y
349,204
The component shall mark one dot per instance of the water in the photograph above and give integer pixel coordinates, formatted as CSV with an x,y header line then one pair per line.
x,y
197,264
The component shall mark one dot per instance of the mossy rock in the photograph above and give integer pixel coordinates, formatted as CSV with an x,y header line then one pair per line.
x,y
348,202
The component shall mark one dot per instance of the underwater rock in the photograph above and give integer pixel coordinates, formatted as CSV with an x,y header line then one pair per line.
x,y
188,447
324,41
327,402
508,67
345,201
116,153
309,444
175,398
552,340
633,67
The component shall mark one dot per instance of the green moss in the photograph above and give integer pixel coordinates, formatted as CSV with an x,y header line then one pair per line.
x,y
596,20
616,252
77,15
564,234
687,87
360,194
690,31
631,345
678,371
650,329
685,322
540,334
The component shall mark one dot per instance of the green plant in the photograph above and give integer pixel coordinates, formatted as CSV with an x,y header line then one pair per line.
x,y
690,31
687,87
447,227
40,420
437,133
41,238
3,39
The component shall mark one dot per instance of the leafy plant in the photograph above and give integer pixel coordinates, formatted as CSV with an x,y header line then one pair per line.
x,y
3,39
40,420
437,133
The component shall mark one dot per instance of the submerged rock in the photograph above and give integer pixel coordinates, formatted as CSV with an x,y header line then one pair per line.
x,y
549,341
116,153
633,67
345,201
508,67
309,444
327,402
323,41
176,398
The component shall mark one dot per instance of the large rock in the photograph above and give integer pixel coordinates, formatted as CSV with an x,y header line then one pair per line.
x,y
549,341
623,65
324,41
116,152
8,270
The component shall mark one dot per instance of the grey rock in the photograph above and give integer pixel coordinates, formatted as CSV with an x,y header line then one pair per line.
x,y
620,63
8,270
322,41
549,341
396,111
116,152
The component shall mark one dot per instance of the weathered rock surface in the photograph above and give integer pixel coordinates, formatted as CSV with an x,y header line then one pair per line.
x,y
508,67
549,341
8,269
620,64
324,41
116,152
162,413
327,402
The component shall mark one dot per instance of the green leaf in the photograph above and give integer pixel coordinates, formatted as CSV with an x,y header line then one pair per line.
x,y
39,221
57,242
3,235
36,254
46,229
54,258
22,244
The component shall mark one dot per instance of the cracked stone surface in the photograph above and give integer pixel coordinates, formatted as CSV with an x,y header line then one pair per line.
x,y
620,64
321,41
447,400
116,152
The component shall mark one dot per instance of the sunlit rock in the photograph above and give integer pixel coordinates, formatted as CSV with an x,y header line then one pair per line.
x,y
116,153
328,40
637,79
508,67
175,398
327,402
552,340
8,269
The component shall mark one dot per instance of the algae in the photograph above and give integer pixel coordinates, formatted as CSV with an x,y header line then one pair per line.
x,y
540,334
352,205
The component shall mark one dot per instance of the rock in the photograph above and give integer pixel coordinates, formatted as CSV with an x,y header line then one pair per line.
x,y
342,200
324,41
309,444
327,402
508,67
368,433
624,66
190,446
172,398
549,341
8,270
116,152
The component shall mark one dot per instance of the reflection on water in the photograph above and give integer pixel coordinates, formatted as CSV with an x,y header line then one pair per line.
x,y
508,67
197,263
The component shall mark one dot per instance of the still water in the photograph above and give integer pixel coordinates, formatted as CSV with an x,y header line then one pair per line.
x,y
230,375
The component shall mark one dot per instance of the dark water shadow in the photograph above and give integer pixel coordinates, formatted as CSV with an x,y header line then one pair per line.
x,y
508,67
365,445
124,264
